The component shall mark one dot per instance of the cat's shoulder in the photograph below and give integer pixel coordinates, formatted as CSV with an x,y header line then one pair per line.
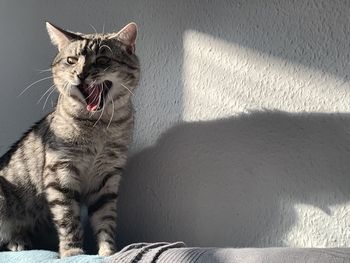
x,y
39,128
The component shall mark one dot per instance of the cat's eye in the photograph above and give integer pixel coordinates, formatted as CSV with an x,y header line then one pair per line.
x,y
103,60
72,60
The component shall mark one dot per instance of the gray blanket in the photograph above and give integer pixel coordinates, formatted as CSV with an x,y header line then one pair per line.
x,y
177,252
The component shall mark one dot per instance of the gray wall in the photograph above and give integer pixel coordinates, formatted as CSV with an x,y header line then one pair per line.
x,y
242,115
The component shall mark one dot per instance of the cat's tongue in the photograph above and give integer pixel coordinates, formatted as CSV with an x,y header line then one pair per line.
x,y
94,97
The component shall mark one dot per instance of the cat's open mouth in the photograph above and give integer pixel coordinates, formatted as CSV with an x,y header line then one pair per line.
x,y
95,95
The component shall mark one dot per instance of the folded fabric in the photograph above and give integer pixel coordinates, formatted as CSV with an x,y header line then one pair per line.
x,y
143,252
177,253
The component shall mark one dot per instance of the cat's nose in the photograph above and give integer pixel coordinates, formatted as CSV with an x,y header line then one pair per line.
x,y
82,76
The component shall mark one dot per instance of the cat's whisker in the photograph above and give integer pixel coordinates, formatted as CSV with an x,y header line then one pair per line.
x,y
47,98
98,40
92,83
103,28
103,109
93,28
69,89
48,90
35,82
106,68
91,86
65,85
127,88
43,70
112,115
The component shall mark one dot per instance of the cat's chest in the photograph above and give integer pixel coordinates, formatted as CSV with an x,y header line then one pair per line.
x,y
99,157
96,153
93,156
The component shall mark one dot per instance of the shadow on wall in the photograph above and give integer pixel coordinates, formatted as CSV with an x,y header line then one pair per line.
x,y
212,189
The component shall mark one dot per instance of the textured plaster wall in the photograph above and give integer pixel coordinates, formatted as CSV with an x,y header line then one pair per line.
x,y
242,115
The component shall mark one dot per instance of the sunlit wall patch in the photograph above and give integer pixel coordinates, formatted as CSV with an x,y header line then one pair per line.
x,y
224,79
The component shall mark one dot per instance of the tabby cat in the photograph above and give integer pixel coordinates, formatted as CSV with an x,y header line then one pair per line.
x,y
75,155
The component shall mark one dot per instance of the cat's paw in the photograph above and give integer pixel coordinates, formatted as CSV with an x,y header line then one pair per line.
x,y
17,245
74,251
106,250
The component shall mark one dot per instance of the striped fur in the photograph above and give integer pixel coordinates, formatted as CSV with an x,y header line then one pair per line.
x,y
73,156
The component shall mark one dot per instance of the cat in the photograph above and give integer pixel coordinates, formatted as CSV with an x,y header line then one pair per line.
x,y
76,154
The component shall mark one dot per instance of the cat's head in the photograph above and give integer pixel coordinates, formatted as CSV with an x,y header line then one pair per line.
x,y
95,69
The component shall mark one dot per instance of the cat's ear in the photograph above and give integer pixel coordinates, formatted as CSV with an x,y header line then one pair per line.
x,y
127,35
60,37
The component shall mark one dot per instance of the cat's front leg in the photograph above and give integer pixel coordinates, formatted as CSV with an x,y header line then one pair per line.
x,y
102,209
62,188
